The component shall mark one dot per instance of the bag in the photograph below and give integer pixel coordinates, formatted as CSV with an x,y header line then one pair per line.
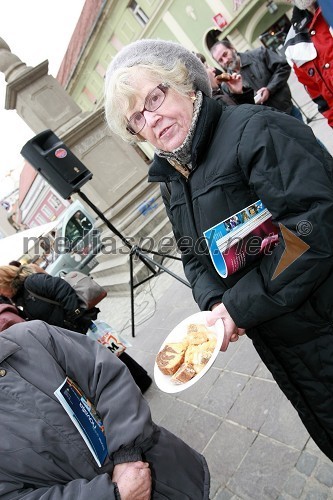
x,y
106,335
88,291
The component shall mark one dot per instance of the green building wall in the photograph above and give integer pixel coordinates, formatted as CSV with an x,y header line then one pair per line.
x,y
168,20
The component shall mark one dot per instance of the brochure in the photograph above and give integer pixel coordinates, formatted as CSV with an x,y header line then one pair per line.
x,y
241,238
85,417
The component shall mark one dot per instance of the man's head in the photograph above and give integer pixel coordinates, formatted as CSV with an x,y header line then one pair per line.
x,y
226,55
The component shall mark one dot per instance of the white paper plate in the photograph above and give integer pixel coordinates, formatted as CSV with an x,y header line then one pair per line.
x,y
164,382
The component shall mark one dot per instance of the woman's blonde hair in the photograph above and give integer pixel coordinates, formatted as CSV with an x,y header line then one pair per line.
x,y
121,91
13,277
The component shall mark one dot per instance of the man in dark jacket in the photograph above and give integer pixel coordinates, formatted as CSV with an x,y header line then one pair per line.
x,y
263,70
42,453
236,94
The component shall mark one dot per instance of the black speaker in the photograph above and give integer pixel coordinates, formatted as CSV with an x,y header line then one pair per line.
x,y
56,163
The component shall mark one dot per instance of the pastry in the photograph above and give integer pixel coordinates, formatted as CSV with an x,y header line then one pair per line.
x,y
183,360
196,334
169,360
184,373
223,77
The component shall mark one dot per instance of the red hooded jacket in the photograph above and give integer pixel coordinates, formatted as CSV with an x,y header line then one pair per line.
x,y
309,47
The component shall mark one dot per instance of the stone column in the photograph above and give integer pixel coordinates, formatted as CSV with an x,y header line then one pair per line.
x,y
38,98
43,103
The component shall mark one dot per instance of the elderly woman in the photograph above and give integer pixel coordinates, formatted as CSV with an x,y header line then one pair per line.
x,y
218,161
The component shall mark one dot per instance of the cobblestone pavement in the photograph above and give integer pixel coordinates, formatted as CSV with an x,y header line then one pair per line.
x,y
254,442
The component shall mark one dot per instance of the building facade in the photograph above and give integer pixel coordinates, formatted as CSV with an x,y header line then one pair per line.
x,y
196,24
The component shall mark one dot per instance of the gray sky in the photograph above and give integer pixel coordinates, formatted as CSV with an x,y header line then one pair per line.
x,y
35,30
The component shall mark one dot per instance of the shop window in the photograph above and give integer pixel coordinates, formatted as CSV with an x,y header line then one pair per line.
x,y
275,36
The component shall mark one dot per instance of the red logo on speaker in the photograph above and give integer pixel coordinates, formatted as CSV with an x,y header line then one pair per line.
x,y
60,153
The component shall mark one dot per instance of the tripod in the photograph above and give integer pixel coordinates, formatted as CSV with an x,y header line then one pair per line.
x,y
135,251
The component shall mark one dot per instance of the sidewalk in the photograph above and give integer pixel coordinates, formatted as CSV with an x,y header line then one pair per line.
x,y
254,442
313,118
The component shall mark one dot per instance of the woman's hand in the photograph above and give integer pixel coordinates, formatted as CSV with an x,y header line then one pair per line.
x,y
133,480
231,331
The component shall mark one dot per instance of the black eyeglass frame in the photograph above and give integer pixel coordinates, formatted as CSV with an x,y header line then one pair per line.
x,y
163,87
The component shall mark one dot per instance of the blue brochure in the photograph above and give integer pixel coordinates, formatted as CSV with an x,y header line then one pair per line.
x,y
85,418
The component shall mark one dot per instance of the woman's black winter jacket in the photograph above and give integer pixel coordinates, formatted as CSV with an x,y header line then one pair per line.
x,y
55,289
241,154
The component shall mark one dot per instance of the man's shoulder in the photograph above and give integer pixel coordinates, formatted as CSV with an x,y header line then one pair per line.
x,y
252,55
255,52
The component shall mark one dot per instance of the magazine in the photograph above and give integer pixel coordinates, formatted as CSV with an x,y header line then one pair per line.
x,y
85,417
241,238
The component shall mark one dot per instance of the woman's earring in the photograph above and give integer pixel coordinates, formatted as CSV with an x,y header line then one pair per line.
x,y
193,98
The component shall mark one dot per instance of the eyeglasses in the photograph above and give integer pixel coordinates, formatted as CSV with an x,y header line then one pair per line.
x,y
153,101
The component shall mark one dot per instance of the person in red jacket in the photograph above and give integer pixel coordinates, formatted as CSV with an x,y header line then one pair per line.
x,y
309,50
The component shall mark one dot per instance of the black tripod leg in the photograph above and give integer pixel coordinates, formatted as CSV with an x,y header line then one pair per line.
x,y
148,260
132,294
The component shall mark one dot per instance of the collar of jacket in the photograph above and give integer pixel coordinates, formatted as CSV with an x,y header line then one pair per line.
x,y
210,114
7,347
298,47
245,60
300,20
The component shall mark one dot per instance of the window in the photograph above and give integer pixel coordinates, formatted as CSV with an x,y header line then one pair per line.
x,y
275,36
47,211
100,70
40,219
92,98
138,13
54,201
77,227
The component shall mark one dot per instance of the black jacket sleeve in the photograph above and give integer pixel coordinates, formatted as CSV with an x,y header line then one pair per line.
x,y
278,67
207,288
247,96
292,176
